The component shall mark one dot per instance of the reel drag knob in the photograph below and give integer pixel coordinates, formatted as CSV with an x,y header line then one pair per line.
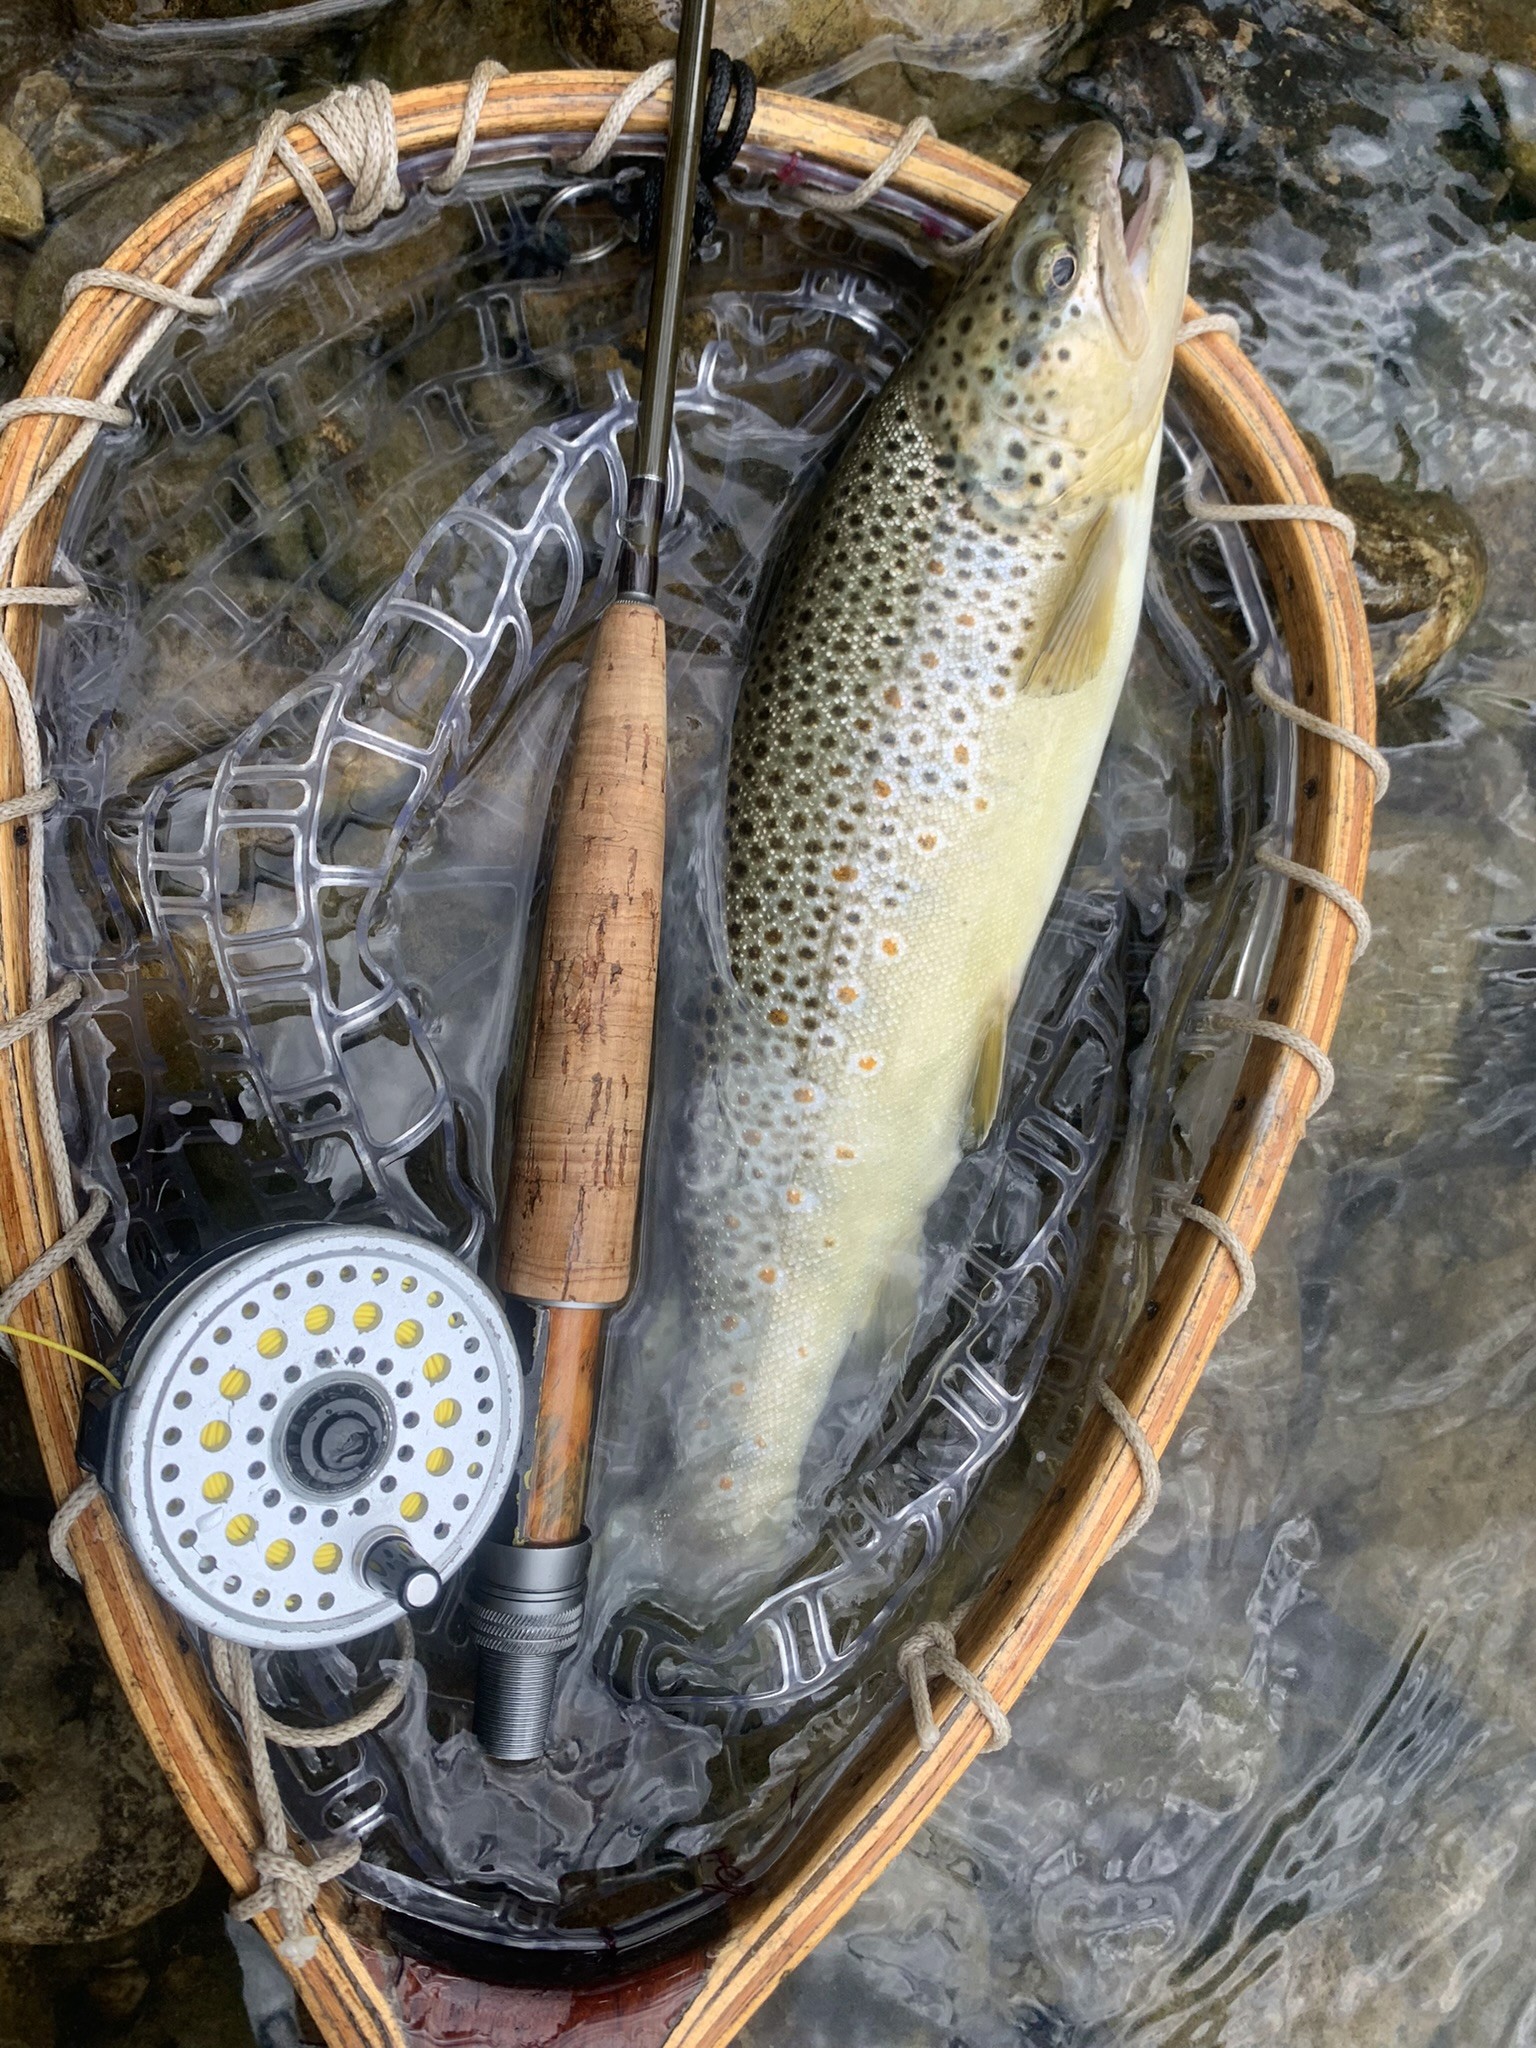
x,y
393,1568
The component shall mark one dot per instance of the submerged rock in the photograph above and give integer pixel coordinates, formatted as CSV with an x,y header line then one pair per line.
x,y
423,42
105,219
1505,29
1423,572
21,193
814,43
92,1841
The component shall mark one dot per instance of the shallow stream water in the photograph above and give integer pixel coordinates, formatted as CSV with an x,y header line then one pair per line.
x,y
1275,1783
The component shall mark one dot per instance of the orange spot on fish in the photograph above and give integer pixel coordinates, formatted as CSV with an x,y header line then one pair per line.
x,y
727,1483
927,841
778,1016
893,697
881,788
848,994
966,619
962,755
981,803
929,660
935,568
845,1152
794,1198
845,874
753,1137
738,1386
767,1274
733,1223
868,1064
890,948
805,1095
730,1322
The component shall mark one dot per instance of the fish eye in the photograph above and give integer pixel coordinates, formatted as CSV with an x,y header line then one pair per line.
x,y
1054,269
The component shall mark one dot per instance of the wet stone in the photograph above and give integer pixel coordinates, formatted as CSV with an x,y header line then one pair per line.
x,y
75,155
435,40
92,1841
1423,571
103,221
21,195
32,33
810,44
1504,29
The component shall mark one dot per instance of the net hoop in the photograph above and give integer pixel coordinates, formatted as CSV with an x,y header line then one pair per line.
x,y
356,1993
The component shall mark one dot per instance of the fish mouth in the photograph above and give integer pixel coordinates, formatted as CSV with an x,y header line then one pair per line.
x,y
1138,204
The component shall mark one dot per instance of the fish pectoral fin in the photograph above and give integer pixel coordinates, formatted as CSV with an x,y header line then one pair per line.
x,y
987,1088
1076,647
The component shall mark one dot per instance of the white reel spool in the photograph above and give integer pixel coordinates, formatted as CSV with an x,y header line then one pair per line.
x,y
314,1434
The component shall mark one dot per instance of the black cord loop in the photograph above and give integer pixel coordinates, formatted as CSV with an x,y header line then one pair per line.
x,y
731,83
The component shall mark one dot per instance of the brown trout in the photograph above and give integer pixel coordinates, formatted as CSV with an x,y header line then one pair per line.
x,y
915,743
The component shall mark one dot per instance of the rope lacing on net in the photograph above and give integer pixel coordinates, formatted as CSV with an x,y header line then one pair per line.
x,y
1242,1016
356,128
289,1884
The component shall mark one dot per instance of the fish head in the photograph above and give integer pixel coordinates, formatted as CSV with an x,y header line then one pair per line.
x,y
1045,374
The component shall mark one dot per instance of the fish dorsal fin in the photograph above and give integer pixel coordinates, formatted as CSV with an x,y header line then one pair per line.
x,y
1077,644
987,1088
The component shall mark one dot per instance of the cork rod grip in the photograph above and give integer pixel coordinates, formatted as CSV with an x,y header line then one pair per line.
x,y
569,1218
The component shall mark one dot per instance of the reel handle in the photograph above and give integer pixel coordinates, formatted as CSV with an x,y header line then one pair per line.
x,y
569,1217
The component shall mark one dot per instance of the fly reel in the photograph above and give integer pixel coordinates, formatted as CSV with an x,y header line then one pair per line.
x,y
313,1434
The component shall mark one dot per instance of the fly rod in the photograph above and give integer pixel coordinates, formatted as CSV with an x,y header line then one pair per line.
x,y
569,1221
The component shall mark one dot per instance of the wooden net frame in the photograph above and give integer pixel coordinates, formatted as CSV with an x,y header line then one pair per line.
x,y
356,1993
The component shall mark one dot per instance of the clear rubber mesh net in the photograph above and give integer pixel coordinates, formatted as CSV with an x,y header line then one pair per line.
x,y
307,735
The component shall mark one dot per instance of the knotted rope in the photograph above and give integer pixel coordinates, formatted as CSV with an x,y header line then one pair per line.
x,y
929,1652
289,1885
65,1516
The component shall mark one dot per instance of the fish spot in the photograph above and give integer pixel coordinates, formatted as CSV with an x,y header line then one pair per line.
x,y
727,1483
867,1063
794,1197
847,993
778,1017
880,788
805,1095
845,874
843,1152
891,948
962,755
768,1275
738,1388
